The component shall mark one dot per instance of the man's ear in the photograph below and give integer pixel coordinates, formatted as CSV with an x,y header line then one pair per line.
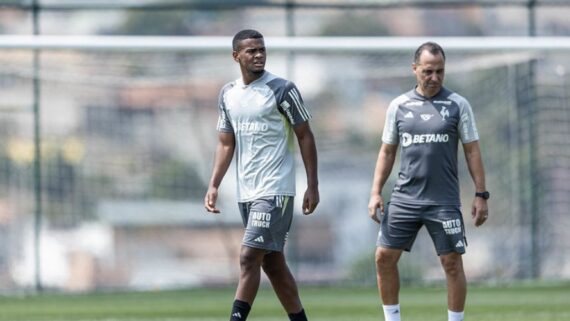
x,y
235,55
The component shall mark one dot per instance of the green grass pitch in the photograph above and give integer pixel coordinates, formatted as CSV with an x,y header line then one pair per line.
x,y
504,303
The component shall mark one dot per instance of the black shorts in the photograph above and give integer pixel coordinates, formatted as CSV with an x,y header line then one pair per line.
x,y
267,221
400,224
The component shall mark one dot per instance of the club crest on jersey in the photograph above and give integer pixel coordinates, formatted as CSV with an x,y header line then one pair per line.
x,y
444,112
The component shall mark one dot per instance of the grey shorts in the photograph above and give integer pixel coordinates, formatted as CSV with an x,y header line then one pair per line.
x,y
400,224
267,221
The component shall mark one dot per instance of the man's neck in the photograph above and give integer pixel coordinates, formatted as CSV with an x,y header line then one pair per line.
x,y
426,95
250,77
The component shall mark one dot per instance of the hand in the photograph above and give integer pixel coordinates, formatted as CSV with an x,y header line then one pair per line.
x,y
210,200
479,211
376,202
310,200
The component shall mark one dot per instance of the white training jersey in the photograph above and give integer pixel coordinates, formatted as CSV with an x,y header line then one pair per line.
x,y
428,131
261,116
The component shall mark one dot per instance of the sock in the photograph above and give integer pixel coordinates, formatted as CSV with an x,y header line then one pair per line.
x,y
298,316
455,316
391,312
240,310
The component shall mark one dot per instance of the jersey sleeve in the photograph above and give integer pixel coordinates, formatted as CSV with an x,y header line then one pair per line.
x,y
292,106
390,134
467,128
224,123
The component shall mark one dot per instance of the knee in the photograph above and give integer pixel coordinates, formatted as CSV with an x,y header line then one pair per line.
x,y
269,268
248,261
385,259
452,264
274,265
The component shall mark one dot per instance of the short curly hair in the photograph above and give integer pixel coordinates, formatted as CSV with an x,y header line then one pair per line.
x,y
245,34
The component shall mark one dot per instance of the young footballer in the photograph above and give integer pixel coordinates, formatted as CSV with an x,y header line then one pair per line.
x,y
260,115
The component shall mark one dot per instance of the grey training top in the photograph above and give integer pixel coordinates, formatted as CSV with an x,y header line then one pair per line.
x,y
261,116
428,131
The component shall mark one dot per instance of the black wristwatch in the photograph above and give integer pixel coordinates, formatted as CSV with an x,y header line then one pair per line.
x,y
484,195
